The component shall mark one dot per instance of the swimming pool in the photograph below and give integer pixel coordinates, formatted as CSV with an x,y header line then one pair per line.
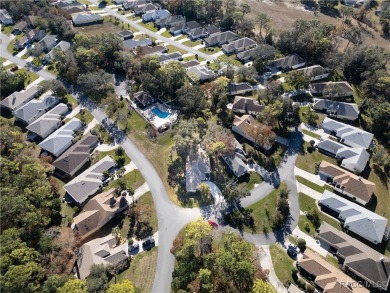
x,y
159,113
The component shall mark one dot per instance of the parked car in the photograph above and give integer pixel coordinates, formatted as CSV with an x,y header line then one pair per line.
x,y
268,75
148,243
213,224
292,251
14,68
133,247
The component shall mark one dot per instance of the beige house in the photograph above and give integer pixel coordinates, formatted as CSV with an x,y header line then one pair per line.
x,y
98,212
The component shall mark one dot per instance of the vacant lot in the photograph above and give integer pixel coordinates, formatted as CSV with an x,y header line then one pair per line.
x,y
141,271
105,27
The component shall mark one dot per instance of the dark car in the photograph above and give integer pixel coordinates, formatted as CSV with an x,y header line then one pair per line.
x,y
148,243
292,251
133,247
14,68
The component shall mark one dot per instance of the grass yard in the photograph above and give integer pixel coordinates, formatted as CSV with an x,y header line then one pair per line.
x,y
312,134
282,263
167,34
312,185
141,271
134,179
87,116
105,27
172,49
306,203
307,161
147,198
382,193
252,179
30,76
210,50
9,66
263,212
7,29
181,37
231,58
192,44
72,100
149,25
304,110
66,210
100,155
2,60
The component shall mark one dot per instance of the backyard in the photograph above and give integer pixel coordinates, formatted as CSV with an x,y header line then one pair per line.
x,y
133,179
282,263
307,161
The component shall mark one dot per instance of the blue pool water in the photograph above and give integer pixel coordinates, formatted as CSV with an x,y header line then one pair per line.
x,y
161,114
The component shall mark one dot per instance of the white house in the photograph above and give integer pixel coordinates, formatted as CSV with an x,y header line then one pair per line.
x,y
155,14
5,18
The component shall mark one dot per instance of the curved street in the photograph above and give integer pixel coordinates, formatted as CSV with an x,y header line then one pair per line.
x,y
172,218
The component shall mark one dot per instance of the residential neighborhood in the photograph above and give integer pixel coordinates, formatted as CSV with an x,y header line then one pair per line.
x,y
195,146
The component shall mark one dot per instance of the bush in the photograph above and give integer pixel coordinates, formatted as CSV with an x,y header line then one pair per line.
x,y
294,271
301,244
70,106
309,288
307,227
119,151
301,283
131,241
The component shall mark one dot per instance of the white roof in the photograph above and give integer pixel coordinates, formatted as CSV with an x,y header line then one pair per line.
x,y
357,219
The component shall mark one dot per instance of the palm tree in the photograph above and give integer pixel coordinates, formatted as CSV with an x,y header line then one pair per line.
x,y
130,191
116,232
121,171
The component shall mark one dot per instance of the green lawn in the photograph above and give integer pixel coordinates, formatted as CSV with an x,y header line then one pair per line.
x,y
306,160
167,34
72,100
210,50
312,134
2,60
172,49
148,199
304,110
231,58
100,155
87,116
181,37
30,76
382,193
141,271
192,44
66,210
282,263
263,212
288,87
9,66
134,179
312,185
150,26
307,203
7,29
253,178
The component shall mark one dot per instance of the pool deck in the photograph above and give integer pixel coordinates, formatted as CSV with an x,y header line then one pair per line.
x,y
156,120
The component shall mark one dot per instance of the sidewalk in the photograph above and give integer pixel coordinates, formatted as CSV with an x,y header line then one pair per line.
x,y
308,191
266,263
310,242
90,125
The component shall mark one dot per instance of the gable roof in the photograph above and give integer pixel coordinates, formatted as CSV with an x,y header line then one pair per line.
x,y
361,259
357,219
198,32
156,14
89,182
239,44
62,46
168,57
246,54
236,164
48,41
348,134
69,162
351,183
349,110
220,38
57,142
288,61
200,72
132,44
100,251
213,29
129,4
191,25
145,7
313,71
170,20
191,63
17,99
342,87
20,26
247,105
237,87
86,17
197,166
35,108
97,212
48,122
156,50
5,17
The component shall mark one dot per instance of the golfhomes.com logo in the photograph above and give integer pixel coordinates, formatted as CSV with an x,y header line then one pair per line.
x,y
366,284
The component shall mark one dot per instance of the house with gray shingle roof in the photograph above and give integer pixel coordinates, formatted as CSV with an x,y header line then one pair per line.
x,y
5,18
331,89
132,44
352,159
60,140
360,260
315,72
86,18
355,218
101,251
287,63
62,46
48,42
239,88
35,109
18,99
48,122
155,14
71,161
347,134
197,169
236,165
348,111
165,58
245,105
247,55
90,181
130,4
238,46
200,73
221,38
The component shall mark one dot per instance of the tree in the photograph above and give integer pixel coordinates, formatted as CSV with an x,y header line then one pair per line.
x,y
172,77
245,73
298,80
97,280
261,286
23,278
204,190
262,19
354,36
54,282
96,84
116,232
312,118
196,230
123,287
74,286
187,137
205,280
262,134
10,83
245,8
301,243
233,192
191,99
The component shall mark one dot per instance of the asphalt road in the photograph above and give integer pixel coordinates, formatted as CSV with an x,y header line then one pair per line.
x,y
155,35
5,40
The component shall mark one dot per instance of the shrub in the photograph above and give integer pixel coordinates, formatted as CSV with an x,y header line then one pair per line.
x,y
294,271
119,151
131,241
301,244
312,142
301,283
309,288
70,106
307,227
